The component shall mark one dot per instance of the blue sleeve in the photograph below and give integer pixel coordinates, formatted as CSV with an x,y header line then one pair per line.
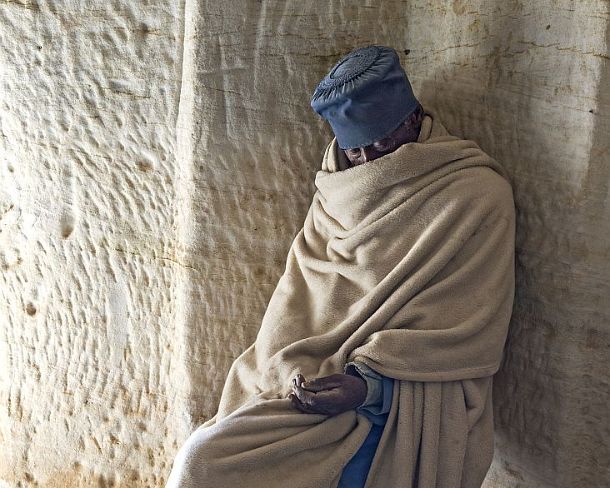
x,y
379,388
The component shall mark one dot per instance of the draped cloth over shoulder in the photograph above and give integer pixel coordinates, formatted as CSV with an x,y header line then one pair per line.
x,y
405,263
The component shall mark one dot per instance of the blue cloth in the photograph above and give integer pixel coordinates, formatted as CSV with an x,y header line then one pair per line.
x,y
375,407
365,96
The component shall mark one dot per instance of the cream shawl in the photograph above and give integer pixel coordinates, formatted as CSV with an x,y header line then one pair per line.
x,y
405,263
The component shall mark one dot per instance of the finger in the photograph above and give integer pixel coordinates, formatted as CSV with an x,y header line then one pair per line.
x,y
315,386
326,399
310,409
293,399
295,402
304,396
320,384
298,380
299,406
330,402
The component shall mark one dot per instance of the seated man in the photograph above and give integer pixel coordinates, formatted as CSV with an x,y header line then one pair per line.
x,y
395,302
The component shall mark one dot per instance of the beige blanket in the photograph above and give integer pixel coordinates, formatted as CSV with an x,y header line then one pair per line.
x,y
407,264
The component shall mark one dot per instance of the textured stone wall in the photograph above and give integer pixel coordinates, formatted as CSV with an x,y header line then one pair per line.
x,y
156,160
89,96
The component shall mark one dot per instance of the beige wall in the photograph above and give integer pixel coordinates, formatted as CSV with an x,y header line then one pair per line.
x,y
157,159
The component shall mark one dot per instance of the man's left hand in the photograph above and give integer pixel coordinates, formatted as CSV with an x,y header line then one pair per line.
x,y
328,395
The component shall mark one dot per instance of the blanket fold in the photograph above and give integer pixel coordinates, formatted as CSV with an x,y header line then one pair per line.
x,y
405,263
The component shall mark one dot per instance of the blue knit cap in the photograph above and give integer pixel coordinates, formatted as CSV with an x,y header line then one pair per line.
x,y
365,96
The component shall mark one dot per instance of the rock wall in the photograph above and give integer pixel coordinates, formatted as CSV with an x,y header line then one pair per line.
x,y
156,161
89,367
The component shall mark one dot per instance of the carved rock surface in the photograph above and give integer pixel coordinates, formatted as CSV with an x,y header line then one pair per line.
x,y
90,383
157,159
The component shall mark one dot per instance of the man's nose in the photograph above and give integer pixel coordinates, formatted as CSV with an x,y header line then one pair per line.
x,y
365,154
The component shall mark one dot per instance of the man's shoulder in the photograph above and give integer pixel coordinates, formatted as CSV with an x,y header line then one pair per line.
x,y
486,186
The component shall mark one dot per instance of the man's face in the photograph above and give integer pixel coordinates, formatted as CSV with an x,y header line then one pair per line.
x,y
406,132
360,155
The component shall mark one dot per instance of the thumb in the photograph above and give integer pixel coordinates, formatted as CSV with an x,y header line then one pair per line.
x,y
319,384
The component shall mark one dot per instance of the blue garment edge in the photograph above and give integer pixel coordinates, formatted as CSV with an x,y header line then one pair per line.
x,y
379,391
375,407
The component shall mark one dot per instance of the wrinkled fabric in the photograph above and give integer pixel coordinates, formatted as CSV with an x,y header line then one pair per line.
x,y
405,263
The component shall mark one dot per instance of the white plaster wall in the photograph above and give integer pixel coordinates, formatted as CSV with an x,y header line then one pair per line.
x,y
157,160
89,95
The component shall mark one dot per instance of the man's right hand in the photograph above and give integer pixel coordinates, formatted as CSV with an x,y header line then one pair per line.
x,y
328,395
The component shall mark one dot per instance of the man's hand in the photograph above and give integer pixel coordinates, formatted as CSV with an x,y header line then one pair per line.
x,y
329,395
